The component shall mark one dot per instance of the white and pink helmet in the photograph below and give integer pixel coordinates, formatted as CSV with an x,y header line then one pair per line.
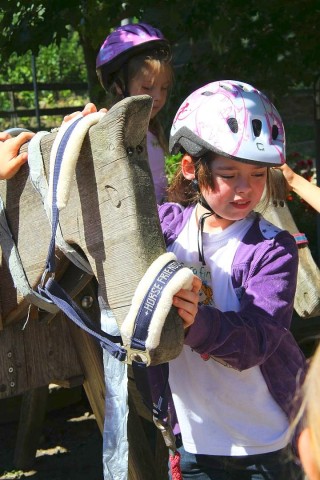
x,y
128,40
232,119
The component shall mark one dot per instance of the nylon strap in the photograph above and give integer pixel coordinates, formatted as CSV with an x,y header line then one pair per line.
x,y
12,257
39,181
50,289
150,302
59,297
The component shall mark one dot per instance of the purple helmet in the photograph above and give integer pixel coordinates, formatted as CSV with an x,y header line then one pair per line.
x,y
128,40
230,118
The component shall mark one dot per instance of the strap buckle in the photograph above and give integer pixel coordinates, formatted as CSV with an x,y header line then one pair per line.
x,y
166,429
135,355
45,277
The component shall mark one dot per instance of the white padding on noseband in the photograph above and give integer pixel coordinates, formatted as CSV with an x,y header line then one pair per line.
x,y
70,154
155,293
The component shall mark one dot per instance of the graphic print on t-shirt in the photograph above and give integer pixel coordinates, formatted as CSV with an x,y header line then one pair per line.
x,y
204,273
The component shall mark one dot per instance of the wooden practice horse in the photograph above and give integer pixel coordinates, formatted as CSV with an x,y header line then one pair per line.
x,y
111,218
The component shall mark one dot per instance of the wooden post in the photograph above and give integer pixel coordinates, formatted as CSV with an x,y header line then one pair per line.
x,y
33,409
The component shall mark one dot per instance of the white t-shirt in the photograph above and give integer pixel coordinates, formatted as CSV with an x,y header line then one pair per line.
x,y
157,166
221,411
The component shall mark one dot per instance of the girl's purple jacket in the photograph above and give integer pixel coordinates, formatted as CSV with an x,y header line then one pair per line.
x,y
264,274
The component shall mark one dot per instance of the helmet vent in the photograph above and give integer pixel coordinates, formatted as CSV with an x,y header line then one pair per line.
x,y
233,124
275,132
207,93
257,126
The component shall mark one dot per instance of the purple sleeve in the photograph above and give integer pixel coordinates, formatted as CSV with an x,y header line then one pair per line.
x,y
248,337
172,218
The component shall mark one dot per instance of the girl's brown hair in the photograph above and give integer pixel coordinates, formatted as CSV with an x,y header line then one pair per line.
x,y
154,59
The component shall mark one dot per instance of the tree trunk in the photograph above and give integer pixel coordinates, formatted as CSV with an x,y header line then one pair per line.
x,y
96,92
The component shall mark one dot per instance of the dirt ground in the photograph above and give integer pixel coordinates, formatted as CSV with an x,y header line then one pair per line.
x,y
70,446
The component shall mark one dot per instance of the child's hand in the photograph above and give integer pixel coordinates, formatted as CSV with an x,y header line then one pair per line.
x,y
288,174
187,301
89,108
10,159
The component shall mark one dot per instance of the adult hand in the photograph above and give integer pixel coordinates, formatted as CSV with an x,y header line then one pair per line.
x,y
10,158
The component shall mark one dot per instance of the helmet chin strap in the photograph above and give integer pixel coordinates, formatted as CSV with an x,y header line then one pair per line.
x,y
202,201
202,219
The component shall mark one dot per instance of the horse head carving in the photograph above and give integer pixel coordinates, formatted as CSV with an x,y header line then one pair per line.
x,y
110,218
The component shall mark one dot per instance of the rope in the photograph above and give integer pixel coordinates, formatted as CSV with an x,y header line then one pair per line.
x,y
175,468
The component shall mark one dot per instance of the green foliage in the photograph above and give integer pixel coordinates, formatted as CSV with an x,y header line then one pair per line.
x,y
27,26
172,164
299,133
271,44
54,64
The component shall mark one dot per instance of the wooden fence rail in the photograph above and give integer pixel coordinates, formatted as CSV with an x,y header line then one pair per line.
x,y
15,112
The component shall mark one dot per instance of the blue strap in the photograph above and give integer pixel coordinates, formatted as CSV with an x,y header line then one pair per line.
x,y
150,302
52,290
155,398
50,263
59,297
115,437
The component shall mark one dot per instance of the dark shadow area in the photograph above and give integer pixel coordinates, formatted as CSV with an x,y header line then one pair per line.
x,y
70,446
306,332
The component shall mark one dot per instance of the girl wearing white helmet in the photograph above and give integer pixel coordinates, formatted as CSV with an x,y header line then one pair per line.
x,y
135,59
234,382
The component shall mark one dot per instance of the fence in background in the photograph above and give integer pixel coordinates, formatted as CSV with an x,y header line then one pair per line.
x,y
16,113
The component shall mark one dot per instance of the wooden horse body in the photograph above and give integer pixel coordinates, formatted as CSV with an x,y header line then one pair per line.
x,y
111,215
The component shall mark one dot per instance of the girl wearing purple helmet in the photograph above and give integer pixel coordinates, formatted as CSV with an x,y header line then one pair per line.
x,y
135,59
234,382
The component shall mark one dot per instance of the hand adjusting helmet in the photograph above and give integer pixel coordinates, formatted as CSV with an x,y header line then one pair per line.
x,y
127,41
232,119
